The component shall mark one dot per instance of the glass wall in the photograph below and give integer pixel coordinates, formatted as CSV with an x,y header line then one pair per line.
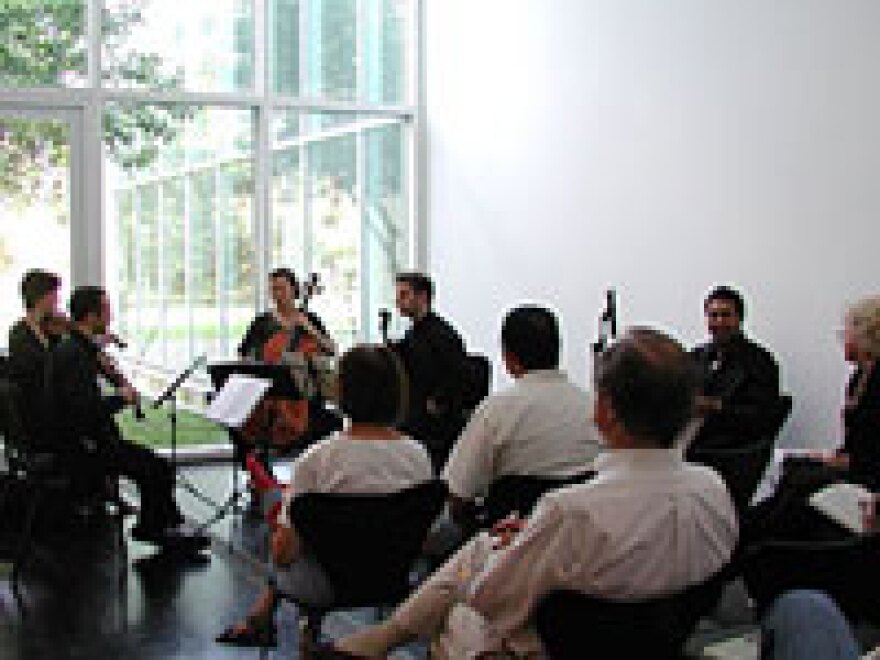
x,y
235,136
34,202
184,272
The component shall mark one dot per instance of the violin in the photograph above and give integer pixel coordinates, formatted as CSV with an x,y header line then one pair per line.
x,y
55,325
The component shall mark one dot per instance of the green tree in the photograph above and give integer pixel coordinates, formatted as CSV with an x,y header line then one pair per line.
x,y
43,44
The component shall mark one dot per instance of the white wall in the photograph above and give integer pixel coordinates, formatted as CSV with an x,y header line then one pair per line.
x,y
659,146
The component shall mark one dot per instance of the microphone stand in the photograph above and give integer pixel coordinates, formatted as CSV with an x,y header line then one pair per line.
x,y
384,321
607,327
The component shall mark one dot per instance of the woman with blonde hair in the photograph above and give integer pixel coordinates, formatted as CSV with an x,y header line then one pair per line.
x,y
858,457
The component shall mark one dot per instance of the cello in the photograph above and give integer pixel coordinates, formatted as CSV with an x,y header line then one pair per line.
x,y
278,420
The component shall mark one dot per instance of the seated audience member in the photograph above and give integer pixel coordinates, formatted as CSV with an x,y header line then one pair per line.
x,y
538,427
433,355
786,514
369,456
83,420
858,458
30,343
740,378
806,624
648,524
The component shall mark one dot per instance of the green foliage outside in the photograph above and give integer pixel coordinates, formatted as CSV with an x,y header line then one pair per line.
x,y
43,44
155,430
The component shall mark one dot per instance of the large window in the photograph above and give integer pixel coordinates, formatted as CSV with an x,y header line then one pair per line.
x,y
219,140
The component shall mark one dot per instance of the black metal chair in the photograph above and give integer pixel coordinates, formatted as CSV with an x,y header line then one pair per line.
x,y
847,569
477,372
521,493
41,481
575,625
743,467
365,544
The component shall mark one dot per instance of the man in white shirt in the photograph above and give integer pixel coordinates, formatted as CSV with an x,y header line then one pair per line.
x,y
648,524
538,427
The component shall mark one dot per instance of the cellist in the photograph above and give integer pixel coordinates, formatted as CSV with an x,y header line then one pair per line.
x,y
286,329
299,325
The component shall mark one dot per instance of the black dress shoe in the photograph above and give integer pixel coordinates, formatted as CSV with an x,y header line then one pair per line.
x,y
251,634
327,651
182,537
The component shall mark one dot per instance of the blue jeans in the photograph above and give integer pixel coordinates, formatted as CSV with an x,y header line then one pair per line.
x,y
806,624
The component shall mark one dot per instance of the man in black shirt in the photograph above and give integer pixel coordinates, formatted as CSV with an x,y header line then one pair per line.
x,y
433,355
740,378
29,346
83,416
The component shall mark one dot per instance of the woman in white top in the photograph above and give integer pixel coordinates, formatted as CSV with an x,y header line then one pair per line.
x,y
368,457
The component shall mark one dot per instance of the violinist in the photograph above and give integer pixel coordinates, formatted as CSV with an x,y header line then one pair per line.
x,y
84,418
30,341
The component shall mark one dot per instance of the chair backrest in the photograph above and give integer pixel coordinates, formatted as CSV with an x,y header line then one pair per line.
x,y
743,467
476,380
569,623
16,442
847,569
521,493
367,544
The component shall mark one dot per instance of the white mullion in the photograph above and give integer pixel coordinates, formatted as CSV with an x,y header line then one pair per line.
x,y
419,248
77,98
360,194
305,19
261,32
188,185
262,201
161,280
219,244
94,14
360,75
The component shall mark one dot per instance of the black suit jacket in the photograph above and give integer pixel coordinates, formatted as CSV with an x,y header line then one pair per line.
x,y
861,440
433,355
82,412
745,377
27,364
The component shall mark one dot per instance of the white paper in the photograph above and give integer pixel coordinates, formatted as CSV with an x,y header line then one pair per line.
x,y
237,399
742,647
842,503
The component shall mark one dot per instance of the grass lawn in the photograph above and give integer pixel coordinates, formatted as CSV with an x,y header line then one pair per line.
x,y
155,430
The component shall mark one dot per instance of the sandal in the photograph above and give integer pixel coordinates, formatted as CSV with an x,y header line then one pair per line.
x,y
253,633
328,651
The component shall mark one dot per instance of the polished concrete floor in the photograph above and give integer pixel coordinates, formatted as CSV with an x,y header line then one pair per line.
x,y
89,600
84,599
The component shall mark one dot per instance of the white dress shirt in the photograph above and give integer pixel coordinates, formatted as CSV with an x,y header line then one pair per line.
x,y
648,524
541,426
341,464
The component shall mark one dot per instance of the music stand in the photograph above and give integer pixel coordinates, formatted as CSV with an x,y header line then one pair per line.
x,y
170,394
282,385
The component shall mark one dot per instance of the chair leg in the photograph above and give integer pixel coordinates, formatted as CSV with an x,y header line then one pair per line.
x,y
309,631
121,545
25,541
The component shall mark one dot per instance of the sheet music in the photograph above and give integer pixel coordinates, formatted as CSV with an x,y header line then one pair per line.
x,y
237,399
842,503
